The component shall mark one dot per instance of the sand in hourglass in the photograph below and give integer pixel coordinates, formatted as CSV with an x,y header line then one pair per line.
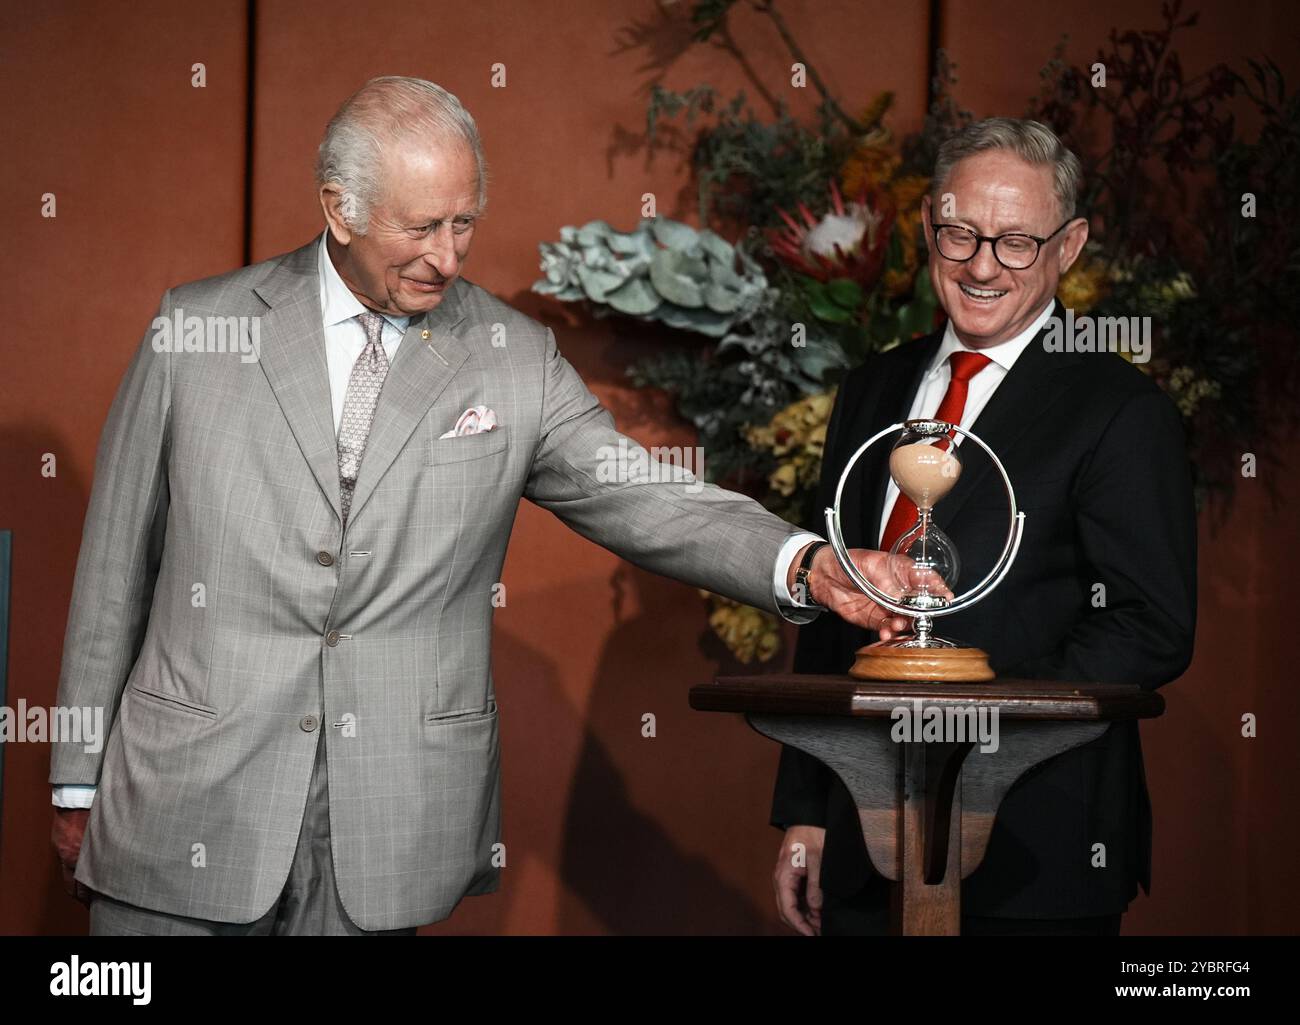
x,y
924,473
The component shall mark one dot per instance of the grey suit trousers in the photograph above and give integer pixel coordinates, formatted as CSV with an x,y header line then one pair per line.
x,y
309,905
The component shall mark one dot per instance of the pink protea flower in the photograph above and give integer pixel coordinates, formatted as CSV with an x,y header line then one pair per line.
x,y
850,240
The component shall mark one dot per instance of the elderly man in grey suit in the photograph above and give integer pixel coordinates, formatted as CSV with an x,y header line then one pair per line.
x,y
283,599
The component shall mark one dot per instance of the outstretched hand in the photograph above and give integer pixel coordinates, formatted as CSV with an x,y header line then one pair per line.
x,y
829,585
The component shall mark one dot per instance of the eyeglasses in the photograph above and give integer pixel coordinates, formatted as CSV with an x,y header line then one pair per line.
x,y
1014,250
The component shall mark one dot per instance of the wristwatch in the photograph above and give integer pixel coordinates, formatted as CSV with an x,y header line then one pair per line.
x,y
801,582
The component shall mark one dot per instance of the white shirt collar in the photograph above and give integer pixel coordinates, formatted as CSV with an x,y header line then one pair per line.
x,y
1004,354
337,303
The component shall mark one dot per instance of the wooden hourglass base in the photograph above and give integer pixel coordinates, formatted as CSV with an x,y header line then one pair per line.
x,y
883,661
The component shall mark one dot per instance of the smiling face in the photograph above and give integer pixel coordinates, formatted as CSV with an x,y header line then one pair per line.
x,y
419,231
996,192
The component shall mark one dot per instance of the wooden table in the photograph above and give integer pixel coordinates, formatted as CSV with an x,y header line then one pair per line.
x,y
926,808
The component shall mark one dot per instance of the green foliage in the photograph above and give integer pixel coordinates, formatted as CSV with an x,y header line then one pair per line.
x,y
837,301
705,389
747,168
661,270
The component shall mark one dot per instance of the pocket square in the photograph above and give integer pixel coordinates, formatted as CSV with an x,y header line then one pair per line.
x,y
474,420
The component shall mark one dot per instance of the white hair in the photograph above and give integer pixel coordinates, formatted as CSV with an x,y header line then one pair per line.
x,y
1032,141
383,113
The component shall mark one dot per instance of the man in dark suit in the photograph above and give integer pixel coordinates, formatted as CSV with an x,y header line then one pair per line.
x,y
1104,588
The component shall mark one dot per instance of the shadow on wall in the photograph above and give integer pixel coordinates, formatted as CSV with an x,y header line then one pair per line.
x,y
631,874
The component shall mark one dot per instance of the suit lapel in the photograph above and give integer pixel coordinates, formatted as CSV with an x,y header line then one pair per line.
x,y
421,370
1016,407
890,404
293,360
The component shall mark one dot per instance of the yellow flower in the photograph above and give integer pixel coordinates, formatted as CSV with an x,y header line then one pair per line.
x,y
907,193
909,190
783,481
816,443
797,437
1189,391
760,436
1178,287
814,410
1083,286
747,632
871,165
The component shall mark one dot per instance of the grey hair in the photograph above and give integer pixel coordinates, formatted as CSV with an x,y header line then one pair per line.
x,y
1032,141
384,112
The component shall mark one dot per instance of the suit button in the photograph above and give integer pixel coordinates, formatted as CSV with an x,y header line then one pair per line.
x,y
325,559
332,638
309,723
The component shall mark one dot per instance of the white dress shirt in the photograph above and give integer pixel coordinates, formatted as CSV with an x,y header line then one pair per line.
x,y
345,338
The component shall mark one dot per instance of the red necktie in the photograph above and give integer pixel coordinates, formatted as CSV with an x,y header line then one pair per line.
x,y
965,365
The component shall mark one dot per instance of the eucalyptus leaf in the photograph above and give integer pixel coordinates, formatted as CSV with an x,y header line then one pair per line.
x,y
693,264
671,283
702,321
717,247
674,234
721,300
596,283
725,275
635,298
593,233
630,243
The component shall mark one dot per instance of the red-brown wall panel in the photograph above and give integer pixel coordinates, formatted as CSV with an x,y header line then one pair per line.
x,y
148,177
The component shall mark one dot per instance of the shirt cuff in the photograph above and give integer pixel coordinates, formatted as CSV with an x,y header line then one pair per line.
x,y
74,795
792,611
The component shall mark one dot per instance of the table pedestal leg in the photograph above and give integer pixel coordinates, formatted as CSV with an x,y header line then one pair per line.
x,y
931,829
926,808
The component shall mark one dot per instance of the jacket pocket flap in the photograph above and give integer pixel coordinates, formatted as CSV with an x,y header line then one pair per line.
x,y
468,446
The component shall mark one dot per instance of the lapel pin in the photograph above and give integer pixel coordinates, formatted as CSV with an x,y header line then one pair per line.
x,y
425,334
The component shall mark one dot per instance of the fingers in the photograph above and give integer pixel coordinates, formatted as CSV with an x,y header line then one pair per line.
x,y
813,892
893,626
786,882
868,614
787,902
842,595
881,569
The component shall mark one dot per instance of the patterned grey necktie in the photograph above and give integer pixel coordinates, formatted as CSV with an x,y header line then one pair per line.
x,y
367,379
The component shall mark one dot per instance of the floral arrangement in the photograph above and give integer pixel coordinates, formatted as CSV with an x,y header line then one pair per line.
x,y
828,263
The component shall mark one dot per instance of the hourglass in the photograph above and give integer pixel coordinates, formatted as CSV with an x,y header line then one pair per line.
x,y
925,463
925,466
